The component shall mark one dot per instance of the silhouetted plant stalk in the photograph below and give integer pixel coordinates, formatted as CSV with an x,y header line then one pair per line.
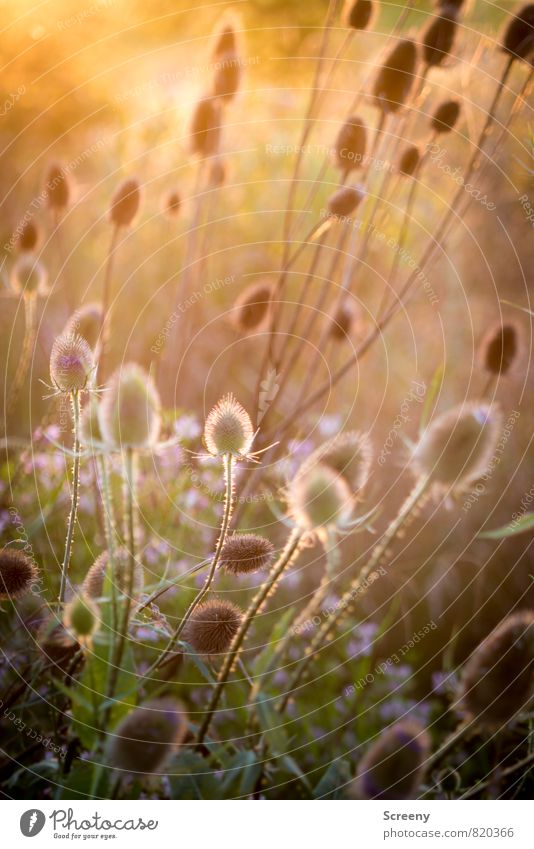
x,y
30,303
110,531
287,557
71,524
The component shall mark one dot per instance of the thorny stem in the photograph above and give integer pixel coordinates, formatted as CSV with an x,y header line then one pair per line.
x,y
25,354
109,524
291,550
75,399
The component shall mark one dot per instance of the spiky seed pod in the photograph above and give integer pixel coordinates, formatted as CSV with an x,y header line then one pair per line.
x,y
93,585
345,201
57,645
319,498
445,117
226,41
342,322
87,322
498,679
29,276
130,412
172,204
396,76
393,767
349,455
252,306
350,146
206,127
359,13
29,237
90,432
125,203
212,626
456,448
409,160
57,188
245,553
438,39
519,34
227,77
81,617
17,573
228,429
500,347
71,363
148,736
218,174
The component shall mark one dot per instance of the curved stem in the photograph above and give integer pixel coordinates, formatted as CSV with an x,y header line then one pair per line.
x,y
106,297
290,551
75,398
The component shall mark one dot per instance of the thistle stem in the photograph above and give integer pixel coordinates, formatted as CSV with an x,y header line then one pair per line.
x,y
109,525
291,550
75,399
106,296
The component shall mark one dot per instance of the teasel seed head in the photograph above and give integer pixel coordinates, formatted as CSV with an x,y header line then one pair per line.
x,y
456,448
393,767
342,323
252,306
445,117
519,35
226,39
228,429
217,177
81,617
90,432
172,204
87,322
396,76
245,553
345,201
409,160
319,498
93,585
57,188
71,363
206,127
351,144
17,573
359,13
212,626
498,679
57,645
148,736
29,276
452,5
227,77
125,203
130,411
500,348
28,238
349,455
439,37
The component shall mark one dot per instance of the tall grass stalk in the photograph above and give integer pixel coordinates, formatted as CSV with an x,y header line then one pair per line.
x,y
106,297
71,522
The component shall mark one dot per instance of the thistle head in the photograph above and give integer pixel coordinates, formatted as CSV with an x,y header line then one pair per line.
x,y
252,306
87,322
17,573
498,679
320,499
456,448
228,429
57,188
343,321
518,38
29,276
71,363
212,626
394,765
345,201
206,127
359,13
409,160
93,585
81,617
28,238
245,553
445,117
125,203
130,412
351,142
500,348
438,38
227,76
147,737
395,78
226,40
349,455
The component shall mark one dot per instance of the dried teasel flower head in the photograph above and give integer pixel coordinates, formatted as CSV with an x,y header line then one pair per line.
x,y
498,679
252,306
90,432
245,553
148,736
130,411
396,76
228,429
345,201
456,448
57,645
206,127
393,767
319,498
81,617
518,38
17,573
87,322
227,76
57,188
29,276
349,455
125,203
172,204
452,5
71,363
217,175
28,237
226,37
93,585
212,626
342,323
438,38
359,14
500,348
350,146
409,160
445,117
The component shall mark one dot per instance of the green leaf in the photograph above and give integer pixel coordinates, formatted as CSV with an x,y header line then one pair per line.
x,y
518,526
271,723
242,772
190,777
332,781
263,660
